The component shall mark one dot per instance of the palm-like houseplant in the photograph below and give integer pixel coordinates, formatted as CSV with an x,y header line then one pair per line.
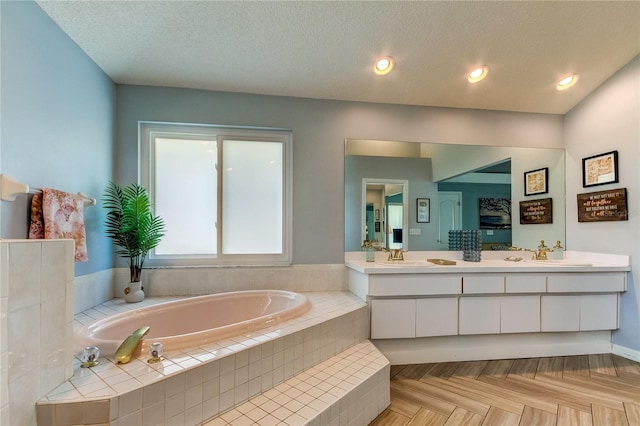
x,y
131,224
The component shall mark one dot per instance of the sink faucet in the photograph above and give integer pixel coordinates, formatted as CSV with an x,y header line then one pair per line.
x,y
129,345
541,252
395,254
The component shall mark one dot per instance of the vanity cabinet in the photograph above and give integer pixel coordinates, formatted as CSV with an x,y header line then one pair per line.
x,y
409,318
579,312
428,305
393,318
491,309
437,316
479,315
483,284
504,314
520,314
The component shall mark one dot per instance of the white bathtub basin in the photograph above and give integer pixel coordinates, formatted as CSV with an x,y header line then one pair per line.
x,y
195,321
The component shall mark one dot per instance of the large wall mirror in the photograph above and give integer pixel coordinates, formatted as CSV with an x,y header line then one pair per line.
x,y
466,187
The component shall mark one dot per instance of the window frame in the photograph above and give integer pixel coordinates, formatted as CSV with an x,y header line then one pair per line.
x,y
149,130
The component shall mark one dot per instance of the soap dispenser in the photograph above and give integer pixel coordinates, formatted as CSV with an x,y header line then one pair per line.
x,y
558,251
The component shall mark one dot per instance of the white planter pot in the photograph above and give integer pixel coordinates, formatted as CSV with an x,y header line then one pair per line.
x,y
134,293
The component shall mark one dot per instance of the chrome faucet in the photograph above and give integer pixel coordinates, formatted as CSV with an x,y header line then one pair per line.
x,y
129,346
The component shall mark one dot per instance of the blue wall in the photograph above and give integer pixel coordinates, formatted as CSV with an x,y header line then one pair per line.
x,y
471,193
416,170
57,122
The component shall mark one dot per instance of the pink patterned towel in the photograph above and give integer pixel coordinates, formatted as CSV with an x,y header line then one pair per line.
x,y
64,218
36,227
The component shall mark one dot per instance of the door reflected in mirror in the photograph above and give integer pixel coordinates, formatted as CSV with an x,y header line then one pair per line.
x,y
384,212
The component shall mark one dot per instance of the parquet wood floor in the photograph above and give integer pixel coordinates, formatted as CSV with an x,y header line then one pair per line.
x,y
595,390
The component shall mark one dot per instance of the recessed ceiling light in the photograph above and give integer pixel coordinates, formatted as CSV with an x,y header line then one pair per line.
x,y
477,74
383,66
567,82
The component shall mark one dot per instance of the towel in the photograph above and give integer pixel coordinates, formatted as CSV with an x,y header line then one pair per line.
x,y
63,215
36,227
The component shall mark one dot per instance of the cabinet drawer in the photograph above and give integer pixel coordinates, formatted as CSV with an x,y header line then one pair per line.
x,y
526,283
483,284
414,284
586,282
393,318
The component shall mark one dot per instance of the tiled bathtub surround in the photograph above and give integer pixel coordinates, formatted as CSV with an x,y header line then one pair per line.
x,y
36,319
191,386
351,388
94,289
208,280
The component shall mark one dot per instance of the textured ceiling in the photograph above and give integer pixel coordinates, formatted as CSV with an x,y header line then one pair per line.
x,y
325,50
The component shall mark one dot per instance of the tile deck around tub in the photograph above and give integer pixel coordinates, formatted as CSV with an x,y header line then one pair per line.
x,y
108,379
359,376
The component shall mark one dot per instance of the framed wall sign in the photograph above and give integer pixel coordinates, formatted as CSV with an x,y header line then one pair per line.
x,y
536,211
423,210
536,181
602,206
600,169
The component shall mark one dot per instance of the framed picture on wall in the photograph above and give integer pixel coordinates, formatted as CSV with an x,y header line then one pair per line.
x,y
536,181
377,214
423,210
600,169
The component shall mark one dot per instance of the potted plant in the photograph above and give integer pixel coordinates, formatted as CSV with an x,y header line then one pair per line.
x,y
132,227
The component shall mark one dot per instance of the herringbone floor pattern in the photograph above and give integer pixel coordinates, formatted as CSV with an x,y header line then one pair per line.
x,y
598,390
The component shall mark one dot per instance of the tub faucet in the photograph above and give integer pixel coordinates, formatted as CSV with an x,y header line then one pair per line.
x,y
129,345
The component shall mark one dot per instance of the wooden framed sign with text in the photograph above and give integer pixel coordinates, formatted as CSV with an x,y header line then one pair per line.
x,y
601,206
536,211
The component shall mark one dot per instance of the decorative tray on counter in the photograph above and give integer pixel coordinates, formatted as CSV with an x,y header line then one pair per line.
x,y
442,261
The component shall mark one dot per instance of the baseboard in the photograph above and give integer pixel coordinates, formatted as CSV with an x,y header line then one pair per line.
x,y
497,346
625,352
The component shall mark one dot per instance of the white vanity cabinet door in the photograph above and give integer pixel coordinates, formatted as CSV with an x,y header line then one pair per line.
x,y
520,314
483,284
437,317
560,313
599,312
479,315
393,318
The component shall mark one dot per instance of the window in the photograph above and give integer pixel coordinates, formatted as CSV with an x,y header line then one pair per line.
x,y
224,193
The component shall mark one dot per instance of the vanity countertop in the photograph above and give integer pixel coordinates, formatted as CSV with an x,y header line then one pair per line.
x,y
492,261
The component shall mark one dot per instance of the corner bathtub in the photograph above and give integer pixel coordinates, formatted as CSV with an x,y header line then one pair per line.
x,y
195,321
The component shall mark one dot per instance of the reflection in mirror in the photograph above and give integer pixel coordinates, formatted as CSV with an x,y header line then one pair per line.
x,y
385,212
454,175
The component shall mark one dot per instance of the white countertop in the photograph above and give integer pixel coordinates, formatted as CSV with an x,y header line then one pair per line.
x,y
492,261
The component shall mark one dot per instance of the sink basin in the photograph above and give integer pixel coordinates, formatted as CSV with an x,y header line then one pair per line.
x,y
401,263
560,262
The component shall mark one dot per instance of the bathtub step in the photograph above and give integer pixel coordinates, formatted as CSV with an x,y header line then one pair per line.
x,y
349,388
